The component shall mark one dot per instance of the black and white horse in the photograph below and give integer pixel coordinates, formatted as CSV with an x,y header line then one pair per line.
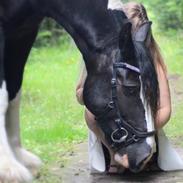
x,y
103,36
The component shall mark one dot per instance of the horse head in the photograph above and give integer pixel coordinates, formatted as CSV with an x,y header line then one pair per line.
x,y
115,93
118,73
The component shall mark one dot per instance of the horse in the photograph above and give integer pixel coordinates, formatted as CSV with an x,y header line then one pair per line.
x,y
113,92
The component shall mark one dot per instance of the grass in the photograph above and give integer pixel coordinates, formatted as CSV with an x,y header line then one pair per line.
x,y
172,49
52,120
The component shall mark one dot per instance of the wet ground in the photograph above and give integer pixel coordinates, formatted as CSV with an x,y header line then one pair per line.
x,y
76,171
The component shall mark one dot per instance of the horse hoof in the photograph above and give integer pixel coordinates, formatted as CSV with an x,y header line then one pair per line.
x,y
28,159
11,171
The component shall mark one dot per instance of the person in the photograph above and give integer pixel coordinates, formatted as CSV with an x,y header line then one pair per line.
x,y
137,14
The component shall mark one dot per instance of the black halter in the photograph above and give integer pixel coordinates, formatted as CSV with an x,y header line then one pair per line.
x,y
128,134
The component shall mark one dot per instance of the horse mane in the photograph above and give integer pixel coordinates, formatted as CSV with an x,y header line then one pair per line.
x,y
148,76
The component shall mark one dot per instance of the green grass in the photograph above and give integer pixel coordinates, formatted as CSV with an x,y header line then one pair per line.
x,y
172,49
51,118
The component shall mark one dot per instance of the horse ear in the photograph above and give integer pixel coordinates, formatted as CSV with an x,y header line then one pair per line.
x,y
143,34
125,38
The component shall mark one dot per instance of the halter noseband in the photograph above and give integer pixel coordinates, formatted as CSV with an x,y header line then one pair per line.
x,y
129,133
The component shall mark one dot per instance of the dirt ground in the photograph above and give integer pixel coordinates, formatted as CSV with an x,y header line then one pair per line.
x,y
76,171
176,87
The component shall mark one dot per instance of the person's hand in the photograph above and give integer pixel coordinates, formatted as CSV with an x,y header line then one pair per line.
x,y
79,95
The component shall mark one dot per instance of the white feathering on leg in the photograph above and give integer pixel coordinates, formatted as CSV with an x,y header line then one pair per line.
x,y
28,159
10,169
3,99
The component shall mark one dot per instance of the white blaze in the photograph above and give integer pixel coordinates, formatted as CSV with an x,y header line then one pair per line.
x,y
149,120
115,4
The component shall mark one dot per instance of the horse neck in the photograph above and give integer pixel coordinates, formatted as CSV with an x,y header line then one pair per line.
x,y
90,24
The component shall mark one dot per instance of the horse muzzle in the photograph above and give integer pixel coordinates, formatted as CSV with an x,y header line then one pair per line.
x,y
135,157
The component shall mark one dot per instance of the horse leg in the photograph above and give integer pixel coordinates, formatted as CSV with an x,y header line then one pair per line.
x,y
10,169
28,159
17,51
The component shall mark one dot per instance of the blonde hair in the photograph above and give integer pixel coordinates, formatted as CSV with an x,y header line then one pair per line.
x,y
137,14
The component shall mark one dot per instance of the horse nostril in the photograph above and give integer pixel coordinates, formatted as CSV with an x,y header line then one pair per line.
x,y
139,155
140,165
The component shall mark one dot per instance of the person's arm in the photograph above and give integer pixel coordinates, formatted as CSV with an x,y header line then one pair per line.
x,y
80,85
164,110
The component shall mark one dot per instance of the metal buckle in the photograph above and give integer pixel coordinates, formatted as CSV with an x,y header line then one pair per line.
x,y
117,121
113,82
111,105
135,138
123,138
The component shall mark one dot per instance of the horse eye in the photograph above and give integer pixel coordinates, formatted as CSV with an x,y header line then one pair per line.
x,y
131,90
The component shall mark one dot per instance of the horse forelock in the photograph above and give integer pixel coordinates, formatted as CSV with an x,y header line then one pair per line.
x,y
148,76
115,4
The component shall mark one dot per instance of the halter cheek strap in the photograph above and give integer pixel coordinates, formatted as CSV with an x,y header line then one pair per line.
x,y
128,134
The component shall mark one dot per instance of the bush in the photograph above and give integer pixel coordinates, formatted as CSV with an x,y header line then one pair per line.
x,y
168,13
50,33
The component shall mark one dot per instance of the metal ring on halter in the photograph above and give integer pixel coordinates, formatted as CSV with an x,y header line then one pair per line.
x,y
122,139
135,138
111,105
